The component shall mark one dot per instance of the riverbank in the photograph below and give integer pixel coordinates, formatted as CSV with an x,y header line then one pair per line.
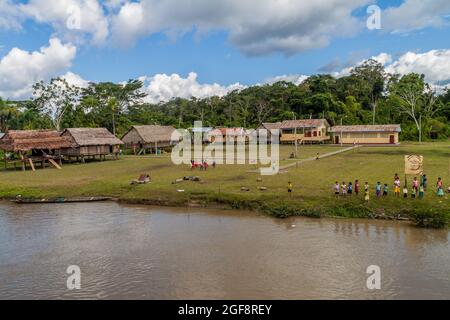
x,y
222,187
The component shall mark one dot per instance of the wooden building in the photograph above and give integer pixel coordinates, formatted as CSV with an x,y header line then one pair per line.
x,y
305,131
269,127
367,134
150,138
28,147
220,135
91,143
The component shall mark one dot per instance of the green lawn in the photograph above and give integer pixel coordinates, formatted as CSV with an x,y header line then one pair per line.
x,y
312,181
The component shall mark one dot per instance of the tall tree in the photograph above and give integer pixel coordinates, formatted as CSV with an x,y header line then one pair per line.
x,y
412,96
55,98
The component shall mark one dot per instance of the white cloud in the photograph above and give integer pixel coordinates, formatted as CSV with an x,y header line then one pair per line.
x,y
20,69
415,15
256,27
71,19
162,88
74,79
296,79
10,17
434,64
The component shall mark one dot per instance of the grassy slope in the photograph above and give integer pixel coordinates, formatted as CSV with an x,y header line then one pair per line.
x,y
313,181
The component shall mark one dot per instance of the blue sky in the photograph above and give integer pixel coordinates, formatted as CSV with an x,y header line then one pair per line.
x,y
221,52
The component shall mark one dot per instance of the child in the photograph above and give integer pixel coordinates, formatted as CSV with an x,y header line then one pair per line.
x,y
416,185
350,188
378,190
397,185
425,182
405,192
440,189
344,189
385,190
414,192
366,187
367,196
290,186
337,189
357,187
214,164
421,192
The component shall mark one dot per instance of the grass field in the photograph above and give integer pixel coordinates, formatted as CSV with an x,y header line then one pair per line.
x,y
312,182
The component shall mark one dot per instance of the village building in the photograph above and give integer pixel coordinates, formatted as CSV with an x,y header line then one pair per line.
x,y
151,138
28,147
222,135
203,131
367,134
269,127
305,131
90,143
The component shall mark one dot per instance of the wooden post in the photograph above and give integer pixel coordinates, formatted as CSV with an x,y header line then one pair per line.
x,y
22,160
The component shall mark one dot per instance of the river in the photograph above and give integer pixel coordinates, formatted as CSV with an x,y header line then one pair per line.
x,y
141,252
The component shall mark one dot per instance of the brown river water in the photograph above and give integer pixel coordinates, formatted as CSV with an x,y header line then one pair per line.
x,y
141,252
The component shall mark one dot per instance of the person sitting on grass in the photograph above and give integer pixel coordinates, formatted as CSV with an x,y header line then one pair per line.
x,y
337,189
440,187
385,190
350,188
344,189
378,190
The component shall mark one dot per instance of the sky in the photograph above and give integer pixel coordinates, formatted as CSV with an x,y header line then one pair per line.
x,y
185,48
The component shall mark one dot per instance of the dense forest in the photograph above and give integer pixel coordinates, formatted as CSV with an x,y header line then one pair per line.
x,y
367,95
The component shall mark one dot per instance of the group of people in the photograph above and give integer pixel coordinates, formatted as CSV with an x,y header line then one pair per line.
x,y
202,165
418,188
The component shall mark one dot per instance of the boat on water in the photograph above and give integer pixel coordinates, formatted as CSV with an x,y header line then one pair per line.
x,y
62,200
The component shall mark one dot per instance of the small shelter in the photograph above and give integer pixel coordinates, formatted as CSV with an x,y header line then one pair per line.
x,y
367,134
91,143
30,146
150,138
305,131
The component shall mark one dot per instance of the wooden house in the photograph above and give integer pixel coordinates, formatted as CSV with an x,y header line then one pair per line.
x,y
27,147
305,131
91,143
269,127
152,138
367,134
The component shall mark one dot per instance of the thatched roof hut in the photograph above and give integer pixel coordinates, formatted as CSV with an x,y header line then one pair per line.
x,y
91,142
151,137
83,137
21,141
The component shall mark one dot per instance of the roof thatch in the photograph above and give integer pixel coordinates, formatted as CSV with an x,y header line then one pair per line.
x,y
308,123
367,128
92,137
154,133
26,140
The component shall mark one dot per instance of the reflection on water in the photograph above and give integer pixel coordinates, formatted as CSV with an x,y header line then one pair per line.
x,y
139,252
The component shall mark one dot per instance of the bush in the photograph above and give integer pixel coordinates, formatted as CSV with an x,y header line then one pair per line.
x,y
430,218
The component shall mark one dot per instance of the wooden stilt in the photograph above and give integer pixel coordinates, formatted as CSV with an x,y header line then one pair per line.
x,y
22,160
